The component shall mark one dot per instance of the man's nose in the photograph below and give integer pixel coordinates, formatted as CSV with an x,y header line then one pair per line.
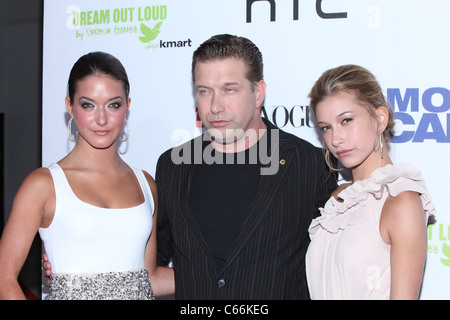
x,y
216,104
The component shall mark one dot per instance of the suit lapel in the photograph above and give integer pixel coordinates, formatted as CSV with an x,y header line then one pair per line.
x,y
186,174
268,189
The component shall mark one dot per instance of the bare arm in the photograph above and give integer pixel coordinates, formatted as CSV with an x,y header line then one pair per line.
x,y
162,278
26,216
403,225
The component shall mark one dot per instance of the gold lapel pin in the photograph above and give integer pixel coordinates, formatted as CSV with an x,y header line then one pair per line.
x,y
282,162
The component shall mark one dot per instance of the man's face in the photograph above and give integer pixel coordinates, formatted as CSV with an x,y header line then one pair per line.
x,y
227,105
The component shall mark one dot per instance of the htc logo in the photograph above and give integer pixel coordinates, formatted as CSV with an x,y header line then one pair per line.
x,y
320,12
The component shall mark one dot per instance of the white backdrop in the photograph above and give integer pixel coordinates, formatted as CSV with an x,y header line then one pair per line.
x,y
402,42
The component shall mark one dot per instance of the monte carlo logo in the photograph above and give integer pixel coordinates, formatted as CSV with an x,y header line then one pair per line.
x,y
143,23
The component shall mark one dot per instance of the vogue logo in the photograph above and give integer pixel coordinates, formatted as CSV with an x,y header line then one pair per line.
x,y
282,116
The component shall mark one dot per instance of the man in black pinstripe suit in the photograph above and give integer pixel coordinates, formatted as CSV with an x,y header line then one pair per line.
x,y
235,204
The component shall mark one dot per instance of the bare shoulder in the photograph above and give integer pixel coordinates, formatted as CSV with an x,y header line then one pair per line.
x,y
35,197
37,187
148,177
153,188
402,215
150,180
40,178
403,203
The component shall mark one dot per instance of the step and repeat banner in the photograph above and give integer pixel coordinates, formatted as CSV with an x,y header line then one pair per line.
x,y
402,42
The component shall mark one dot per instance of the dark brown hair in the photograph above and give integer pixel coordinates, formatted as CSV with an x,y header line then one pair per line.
x,y
96,63
225,46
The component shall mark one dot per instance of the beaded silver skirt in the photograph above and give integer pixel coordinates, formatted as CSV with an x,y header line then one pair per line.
x,y
126,285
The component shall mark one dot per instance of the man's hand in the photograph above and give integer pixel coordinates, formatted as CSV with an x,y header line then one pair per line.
x,y
46,268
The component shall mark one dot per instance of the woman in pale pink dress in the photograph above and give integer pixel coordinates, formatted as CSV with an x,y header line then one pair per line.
x,y
370,241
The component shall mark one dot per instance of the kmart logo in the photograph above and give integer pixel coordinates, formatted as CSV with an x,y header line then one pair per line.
x,y
149,34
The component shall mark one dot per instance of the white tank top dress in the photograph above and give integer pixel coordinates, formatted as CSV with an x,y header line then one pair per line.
x,y
97,253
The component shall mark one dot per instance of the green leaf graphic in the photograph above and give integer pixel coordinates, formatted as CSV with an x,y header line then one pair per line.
x,y
149,33
446,251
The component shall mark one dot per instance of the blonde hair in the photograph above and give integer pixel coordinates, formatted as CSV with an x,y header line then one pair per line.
x,y
361,84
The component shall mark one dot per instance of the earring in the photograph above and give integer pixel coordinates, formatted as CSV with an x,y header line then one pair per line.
x,y
127,132
69,127
381,145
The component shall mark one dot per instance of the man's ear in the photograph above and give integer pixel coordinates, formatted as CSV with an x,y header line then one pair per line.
x,y
260,91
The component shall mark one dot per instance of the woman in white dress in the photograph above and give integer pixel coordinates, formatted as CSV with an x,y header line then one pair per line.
x,y
370,241
95,214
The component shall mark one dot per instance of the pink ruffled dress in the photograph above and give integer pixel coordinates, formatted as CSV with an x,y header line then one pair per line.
x,y
347,258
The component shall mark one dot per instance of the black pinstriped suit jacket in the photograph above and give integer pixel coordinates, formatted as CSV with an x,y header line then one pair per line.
x,y
268,260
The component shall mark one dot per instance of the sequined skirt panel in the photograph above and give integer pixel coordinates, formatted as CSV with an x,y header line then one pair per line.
x,y
126,285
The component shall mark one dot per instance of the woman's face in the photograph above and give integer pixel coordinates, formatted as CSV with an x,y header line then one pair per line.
x,y
99,109
349,132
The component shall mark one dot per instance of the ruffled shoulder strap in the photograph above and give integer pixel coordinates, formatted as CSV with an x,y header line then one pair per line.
x,y
393,179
